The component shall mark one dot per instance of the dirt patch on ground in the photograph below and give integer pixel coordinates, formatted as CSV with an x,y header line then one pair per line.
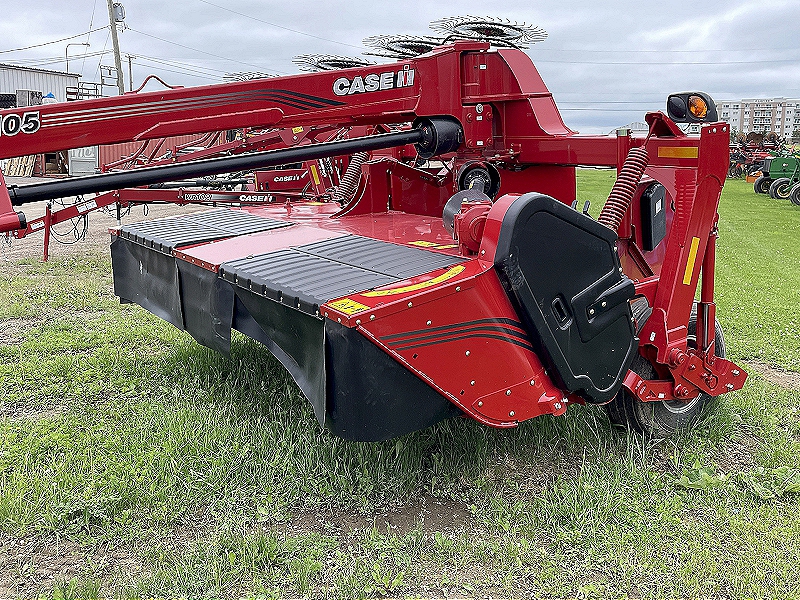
x,y
28,413
738,455
426,513
11,330
777,375
30,566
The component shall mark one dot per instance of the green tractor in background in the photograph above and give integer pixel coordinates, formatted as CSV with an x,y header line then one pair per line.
x,y
780,177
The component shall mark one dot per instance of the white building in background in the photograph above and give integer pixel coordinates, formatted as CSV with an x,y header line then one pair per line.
x,y
781,115
15,77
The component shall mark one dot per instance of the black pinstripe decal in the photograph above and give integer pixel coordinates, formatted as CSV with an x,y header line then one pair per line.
x,y
502,338
496,321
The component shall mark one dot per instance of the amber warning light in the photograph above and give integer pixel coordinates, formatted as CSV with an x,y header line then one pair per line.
x,y
691,107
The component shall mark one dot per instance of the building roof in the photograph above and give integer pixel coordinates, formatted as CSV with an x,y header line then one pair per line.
x,y
35,70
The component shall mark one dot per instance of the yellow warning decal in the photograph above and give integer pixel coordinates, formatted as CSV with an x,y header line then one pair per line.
x,y
297,130
348,306
687,274
449,274
678,152
314,174
424,244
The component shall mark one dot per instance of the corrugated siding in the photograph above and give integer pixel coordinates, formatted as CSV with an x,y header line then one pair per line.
x,y
114,152
12,80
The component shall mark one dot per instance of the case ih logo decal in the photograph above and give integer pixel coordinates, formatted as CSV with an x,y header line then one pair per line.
x,y
374,82
28,122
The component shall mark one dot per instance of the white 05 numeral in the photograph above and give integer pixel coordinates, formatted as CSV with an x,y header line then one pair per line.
x,y
12,124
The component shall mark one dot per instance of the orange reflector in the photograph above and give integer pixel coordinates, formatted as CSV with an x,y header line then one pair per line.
x,y
678,152
698,107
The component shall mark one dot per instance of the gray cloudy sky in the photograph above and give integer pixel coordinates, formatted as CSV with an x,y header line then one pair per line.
x,y
605,62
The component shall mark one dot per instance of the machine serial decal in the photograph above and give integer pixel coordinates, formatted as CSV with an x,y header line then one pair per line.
x,y
198,197
348,306
449,274
12,124
374,82
687,274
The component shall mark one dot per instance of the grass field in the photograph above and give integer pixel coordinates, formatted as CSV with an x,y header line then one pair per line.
x,y
134,462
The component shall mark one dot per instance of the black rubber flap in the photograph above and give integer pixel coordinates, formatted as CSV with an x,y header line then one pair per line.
x,y
207,303
167,234
562,272
296,339
372,397
308,276
148,278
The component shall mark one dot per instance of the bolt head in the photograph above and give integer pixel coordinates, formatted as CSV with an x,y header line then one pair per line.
x,y
511,413
480,403
372,317
428,323
557,406
533,382
466,353
472,382
508,392
410,304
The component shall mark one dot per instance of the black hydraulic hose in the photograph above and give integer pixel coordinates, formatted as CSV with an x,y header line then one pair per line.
x,y
214,166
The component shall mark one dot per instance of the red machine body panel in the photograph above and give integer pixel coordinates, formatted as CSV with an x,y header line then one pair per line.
x,y
396,307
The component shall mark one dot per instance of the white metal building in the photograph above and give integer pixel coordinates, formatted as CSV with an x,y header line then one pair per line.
x,y
14,77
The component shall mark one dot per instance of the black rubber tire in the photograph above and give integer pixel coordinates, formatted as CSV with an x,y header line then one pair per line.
x,y
780,188
794,194
666,418
734,172
761,185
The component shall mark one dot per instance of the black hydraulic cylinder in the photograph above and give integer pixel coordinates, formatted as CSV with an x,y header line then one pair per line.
x,y
214,166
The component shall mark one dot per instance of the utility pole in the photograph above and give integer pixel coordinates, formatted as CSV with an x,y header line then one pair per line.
x,y
117,59
130,72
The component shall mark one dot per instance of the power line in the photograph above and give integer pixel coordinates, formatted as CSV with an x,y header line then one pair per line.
x,y
91,23
206,77
281,26
105,45
178,63
193,49
57,59
72,37
185,67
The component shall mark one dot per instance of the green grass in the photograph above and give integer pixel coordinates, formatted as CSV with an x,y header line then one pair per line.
x,y
209,476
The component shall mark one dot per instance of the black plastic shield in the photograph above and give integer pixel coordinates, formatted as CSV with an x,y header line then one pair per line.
x,y
561,270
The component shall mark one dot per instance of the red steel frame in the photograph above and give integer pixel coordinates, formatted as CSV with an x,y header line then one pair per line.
x,y
509,118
